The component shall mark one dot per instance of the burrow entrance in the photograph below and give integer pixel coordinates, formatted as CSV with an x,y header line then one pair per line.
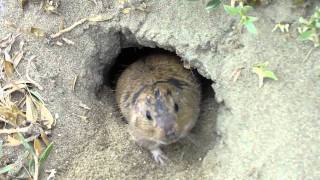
x,y
203,135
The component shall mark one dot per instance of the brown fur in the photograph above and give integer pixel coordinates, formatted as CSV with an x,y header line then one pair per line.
x,y
135,94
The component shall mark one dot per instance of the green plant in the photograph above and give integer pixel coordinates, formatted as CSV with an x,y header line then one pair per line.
x,y
310,28
212,4
245,20
262,72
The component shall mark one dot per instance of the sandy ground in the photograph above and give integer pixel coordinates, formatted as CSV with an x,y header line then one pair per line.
x,y
244,132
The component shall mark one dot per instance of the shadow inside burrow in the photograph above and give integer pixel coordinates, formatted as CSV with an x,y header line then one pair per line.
x,y
203,136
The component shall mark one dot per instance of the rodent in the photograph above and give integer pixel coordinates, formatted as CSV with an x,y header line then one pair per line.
x,y
160,99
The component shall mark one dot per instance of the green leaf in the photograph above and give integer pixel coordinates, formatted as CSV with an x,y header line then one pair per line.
x,y
303,21
305,35
7,168
246,9
45,153
251,28
26,144
232,10
269,74
213,4
252,18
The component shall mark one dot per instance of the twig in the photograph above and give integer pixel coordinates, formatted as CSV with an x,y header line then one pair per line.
x,y
6,121
74,82
36,167
17,130
308,54
68,29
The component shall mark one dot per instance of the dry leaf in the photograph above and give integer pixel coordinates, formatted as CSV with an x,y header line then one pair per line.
x,y
44,138
20,84
11,141
8,69
50,8
22,3
37,32
10,113
17,58
37,146
5,41
100,18
126,10
9,24
61,25
46,116
31,111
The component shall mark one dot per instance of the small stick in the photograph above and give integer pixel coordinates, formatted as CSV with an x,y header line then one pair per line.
x,y
36,167
17,130
74,82
68,29
308,55
6,121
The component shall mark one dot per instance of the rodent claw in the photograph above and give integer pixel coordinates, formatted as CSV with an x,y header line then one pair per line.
x,y
159,156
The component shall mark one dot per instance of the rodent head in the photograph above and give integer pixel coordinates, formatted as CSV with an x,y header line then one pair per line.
x,y
154,114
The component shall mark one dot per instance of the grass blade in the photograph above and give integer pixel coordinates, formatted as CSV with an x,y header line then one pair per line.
x,y
26,144
7,169
43,157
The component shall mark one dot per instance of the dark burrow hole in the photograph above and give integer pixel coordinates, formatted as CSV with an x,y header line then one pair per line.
x,y
130,55
204,130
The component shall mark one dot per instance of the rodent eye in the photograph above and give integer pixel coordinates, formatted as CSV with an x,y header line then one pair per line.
x,y
148,115
176,107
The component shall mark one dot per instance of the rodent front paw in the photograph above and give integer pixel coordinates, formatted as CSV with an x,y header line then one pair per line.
x,y
159,156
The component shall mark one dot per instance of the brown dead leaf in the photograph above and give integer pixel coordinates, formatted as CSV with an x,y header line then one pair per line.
x,y
12,141
8,69
22,3
17,58
5,41
8,41
61,25
45,115
11,113
19,84
9,24
31,111
37,146
44,138
126,10
51,7
37,32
